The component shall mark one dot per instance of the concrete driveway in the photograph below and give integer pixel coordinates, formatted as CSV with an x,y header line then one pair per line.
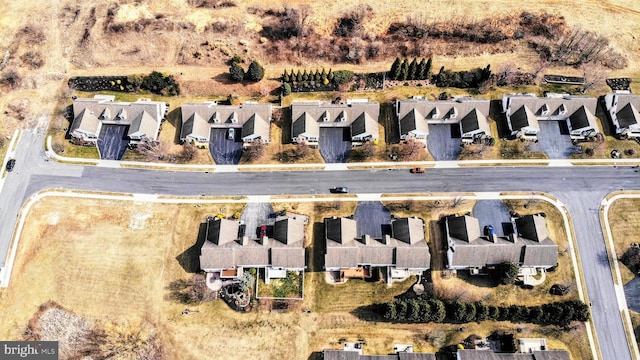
x,y
225,151
254,215
335,144
554,140
443,141
493,212
373,219
112,141
632,294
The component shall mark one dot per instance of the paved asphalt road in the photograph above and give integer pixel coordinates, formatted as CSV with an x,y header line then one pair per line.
x,y
581,189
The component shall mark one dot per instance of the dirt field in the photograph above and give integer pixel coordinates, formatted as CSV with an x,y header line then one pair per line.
x,y
116,264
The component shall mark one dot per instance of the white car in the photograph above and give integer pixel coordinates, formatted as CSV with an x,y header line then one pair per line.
x,y
231,135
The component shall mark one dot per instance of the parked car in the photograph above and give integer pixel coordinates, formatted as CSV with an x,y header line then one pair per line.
x,y
263,231
417,170
339,190
489,231
231,135
10,164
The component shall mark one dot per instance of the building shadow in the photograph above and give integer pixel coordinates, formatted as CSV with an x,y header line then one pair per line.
x,y
605,119
190,258
316,355
315,252
285,125
174,117
495,113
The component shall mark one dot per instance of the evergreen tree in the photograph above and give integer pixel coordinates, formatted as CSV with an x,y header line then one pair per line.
x,y
401,309
330,75
507,272
298,76
482,312
394,73
255,72
427,70
316,76
413,310
390,311
438,311
236,72
404,70
413,70
422,66
285,77
286,89
305,76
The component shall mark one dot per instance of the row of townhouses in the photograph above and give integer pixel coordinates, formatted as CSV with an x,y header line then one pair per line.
x,y
251,121
230,247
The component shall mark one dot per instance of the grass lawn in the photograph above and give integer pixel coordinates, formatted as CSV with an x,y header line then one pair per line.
x,y
624,222
120,258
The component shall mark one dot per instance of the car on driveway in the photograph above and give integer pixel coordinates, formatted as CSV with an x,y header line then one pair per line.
x,y
231,135
417,170
339,190
489,230
10,164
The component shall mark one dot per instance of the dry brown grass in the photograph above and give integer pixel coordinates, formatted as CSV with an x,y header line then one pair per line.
x,y
115,272
624,222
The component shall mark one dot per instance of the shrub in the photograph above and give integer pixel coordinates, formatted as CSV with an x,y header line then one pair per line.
x,y
286,89
236,72
255,72
342,76
160,84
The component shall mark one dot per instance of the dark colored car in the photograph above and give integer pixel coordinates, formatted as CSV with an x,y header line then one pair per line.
x,y
339,190
10,164
489,231
417,170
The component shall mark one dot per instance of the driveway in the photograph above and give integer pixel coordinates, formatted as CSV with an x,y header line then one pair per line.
x,y
443,141
254,215
335,144
373,219
554,139
632,293
225,151
112,141
493,212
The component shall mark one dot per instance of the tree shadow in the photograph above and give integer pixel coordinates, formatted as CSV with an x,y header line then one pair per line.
x,y
190,258
369,313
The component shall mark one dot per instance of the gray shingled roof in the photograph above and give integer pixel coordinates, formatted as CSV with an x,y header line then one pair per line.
x,y
416,113
223,249
409,230
553,103
582,118
523,117
490,355
143,117
353,355
532,227
480,251
308,117
411,253
289,230
628,115
473,121
466,228
207,112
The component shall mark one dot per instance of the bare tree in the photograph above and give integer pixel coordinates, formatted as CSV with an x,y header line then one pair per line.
x,y
256,150
594,76
152,149
410,150
11,78
188,151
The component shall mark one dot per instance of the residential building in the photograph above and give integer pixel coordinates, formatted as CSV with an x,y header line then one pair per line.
x,y
142,118
353,351
252,120
227,250
524,111
528,245
359,115
416,114
401,254
623,111
469,354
